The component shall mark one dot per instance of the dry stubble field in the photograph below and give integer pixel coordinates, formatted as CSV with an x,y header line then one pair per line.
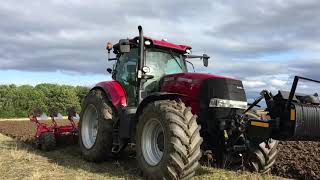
x,y
19,159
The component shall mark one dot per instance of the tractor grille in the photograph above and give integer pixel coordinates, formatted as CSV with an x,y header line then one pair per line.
x,y
219,117
221,88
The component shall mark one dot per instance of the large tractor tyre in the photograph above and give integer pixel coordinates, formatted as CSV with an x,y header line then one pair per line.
x,y
261,156
168,141
96,127
47,141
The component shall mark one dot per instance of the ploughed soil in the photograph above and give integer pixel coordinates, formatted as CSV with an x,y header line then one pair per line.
x,y
20,130
296,159
24,130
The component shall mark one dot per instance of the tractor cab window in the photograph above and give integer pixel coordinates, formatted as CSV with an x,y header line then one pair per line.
x,y
162,62
126,73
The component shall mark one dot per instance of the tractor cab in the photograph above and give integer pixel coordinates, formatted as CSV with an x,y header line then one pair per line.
x,y
160,58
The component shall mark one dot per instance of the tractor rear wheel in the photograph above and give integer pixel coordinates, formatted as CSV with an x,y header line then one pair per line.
x,y
47,141
96,127
262,156
168,141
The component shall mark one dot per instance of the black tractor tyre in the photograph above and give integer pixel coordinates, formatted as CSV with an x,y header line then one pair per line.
x,y
47,141
102,146
261,156
181,140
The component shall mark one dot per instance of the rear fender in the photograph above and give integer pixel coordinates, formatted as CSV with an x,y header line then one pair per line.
x,y
114,91
156,97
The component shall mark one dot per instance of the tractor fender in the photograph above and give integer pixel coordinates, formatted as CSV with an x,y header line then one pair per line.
x,y
155,97
114,91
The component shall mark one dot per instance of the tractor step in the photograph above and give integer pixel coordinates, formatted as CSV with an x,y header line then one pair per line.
x,y
118,144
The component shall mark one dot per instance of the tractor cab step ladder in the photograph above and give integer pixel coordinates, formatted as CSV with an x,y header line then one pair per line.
x,y
121,136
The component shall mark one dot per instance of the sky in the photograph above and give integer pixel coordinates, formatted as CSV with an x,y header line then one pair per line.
x,y
263,43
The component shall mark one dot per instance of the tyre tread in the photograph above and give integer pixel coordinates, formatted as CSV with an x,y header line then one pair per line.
x,y
185,137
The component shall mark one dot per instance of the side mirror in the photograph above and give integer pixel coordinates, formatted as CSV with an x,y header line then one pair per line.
x,y
124,45
109,70
205,59
109,47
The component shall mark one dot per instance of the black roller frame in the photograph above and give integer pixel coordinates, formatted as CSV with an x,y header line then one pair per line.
x,y
294,87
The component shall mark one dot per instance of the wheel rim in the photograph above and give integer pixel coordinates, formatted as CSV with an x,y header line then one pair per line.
x,y
89,126
152,142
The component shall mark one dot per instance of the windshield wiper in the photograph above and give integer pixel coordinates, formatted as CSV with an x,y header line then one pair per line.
x,y
191,65
177,61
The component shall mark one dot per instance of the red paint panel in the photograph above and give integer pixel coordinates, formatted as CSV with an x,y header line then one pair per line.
x,y
185,88
115,92
197,76
64,129
170,45
188,84
42,128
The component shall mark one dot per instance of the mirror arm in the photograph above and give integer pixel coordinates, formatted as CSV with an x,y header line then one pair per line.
x,y
112,59
196,56
146,76
204,57
193,56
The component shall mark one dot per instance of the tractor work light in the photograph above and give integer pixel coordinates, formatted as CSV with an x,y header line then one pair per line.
x,y
147,43
225,103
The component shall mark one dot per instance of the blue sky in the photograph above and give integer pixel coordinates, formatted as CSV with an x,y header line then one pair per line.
x,y
57,77
263,43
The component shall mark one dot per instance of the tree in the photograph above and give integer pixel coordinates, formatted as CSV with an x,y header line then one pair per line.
x,y
18,101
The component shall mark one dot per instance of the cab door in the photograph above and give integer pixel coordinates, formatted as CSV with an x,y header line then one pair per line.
x,y
125,74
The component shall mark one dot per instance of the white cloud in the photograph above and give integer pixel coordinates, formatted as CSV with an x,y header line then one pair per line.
x,y
240,36
253,84
278,83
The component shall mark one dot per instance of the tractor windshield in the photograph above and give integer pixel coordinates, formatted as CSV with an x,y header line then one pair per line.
x,y
162,62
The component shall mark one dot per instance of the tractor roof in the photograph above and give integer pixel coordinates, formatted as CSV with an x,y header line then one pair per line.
x,y
163,43
159,43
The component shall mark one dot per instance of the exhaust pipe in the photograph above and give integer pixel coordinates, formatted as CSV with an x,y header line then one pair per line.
x,y
141,48
140,66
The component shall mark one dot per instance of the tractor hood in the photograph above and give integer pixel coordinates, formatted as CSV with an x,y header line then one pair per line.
x,y
194,76
201,89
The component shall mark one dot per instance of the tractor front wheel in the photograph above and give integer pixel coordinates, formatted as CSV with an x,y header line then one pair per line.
x,y
261,157
168,141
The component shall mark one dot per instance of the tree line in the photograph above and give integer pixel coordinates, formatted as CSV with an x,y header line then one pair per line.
x,y
18,101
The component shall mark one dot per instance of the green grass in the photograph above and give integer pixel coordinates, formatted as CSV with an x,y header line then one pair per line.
x,y
23,161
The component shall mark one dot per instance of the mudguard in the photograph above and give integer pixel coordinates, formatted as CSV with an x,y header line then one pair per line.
x,y
155,97
114,91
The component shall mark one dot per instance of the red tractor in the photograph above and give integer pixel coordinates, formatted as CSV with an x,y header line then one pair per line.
x,y
172,115
154,102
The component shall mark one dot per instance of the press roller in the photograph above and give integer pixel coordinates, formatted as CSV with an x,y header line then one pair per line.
x,y
293,116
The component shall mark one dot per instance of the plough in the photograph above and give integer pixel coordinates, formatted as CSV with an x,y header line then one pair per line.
x,y
47,133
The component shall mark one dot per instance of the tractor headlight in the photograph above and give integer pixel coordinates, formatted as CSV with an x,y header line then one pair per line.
x,y
216,102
